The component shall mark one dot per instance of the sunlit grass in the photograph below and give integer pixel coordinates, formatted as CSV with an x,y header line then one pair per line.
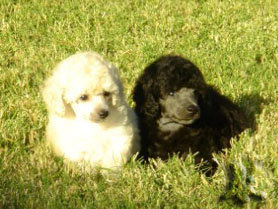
x,y
235,45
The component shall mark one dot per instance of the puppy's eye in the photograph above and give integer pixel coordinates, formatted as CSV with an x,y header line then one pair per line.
x,y
171,93
197,93
106,94
84,97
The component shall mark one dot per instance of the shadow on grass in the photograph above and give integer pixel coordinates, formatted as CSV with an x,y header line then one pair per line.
x,y
252,105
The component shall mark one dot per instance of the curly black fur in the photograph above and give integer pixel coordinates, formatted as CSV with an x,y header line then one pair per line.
x,y
217,119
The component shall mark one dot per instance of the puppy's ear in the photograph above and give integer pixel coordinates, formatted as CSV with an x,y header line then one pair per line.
x,y
145,103
138,95
53,96
118,96
153,107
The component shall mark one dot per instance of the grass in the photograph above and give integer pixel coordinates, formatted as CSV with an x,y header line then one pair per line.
x,y
233,42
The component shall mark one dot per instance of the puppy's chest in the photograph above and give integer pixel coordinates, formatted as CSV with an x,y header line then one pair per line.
x,y
83,137
95,135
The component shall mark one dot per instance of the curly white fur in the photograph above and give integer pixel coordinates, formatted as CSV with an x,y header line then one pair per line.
x,y
89,119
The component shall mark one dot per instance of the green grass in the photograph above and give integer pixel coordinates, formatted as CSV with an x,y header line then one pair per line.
x,y
235,45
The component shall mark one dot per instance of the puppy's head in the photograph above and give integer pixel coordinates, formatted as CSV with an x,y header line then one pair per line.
x,y
83,86
166,88
181,106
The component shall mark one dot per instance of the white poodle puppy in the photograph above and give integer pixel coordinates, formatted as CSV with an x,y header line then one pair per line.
x,y
89,119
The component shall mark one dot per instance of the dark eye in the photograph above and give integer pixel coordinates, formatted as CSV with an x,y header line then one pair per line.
x,y
106,94
196,93
171,93
84,97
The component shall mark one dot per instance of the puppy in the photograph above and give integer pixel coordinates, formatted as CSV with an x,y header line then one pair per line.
x,y
179,113
89,119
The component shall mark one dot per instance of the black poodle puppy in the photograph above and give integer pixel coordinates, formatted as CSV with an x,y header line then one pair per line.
x,y
179,113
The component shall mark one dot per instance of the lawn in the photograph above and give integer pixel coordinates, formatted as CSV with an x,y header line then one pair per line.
x,y
234,43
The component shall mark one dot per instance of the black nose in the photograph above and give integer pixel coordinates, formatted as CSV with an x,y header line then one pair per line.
x,y
193,109
103,114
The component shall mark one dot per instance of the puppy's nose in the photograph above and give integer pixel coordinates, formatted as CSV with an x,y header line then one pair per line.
x,y
193,109
103,114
